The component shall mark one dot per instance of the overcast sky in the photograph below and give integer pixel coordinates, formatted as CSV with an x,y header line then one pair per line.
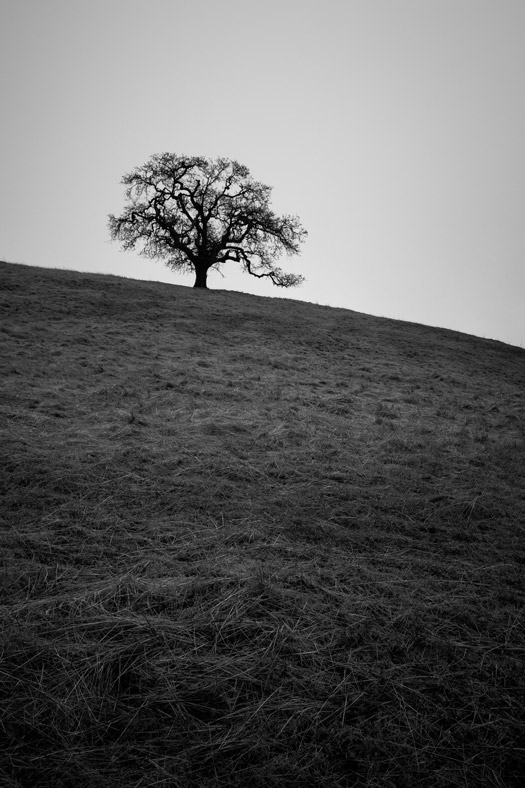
x,y
395,130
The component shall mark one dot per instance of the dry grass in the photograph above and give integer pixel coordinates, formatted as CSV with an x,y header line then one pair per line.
x,y
255,542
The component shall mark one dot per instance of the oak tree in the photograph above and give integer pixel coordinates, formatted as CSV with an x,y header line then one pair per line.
x,y
197,213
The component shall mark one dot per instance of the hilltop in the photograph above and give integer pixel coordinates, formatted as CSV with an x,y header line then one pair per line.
x,y
255,541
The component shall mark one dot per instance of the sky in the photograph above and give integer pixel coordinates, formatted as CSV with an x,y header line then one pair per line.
x,y
394,129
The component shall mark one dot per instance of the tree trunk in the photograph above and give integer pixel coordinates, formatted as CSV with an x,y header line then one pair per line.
x,y
201,276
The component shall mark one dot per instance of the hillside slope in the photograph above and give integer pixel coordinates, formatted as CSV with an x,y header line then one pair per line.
x,y
255,541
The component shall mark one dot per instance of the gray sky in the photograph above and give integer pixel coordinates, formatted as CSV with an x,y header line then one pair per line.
x,y
395,130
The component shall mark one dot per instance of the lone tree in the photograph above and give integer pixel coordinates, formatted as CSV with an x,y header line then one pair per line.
x,y
196,213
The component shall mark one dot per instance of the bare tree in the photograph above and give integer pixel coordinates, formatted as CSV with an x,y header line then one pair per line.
x,y
197,213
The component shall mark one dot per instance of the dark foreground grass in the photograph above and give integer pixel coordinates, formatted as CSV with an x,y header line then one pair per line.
x,y
255,542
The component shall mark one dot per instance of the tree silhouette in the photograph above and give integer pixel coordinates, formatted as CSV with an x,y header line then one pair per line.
x,y
197,213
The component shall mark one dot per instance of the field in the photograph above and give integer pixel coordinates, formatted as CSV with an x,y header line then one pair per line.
x,y
255,542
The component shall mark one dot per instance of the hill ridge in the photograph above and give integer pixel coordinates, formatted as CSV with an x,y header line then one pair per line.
x,y
157,286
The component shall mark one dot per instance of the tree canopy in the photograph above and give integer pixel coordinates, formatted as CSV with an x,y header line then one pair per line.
x,y
197,213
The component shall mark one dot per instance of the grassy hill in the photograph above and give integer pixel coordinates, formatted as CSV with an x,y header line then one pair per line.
x,y
255,542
